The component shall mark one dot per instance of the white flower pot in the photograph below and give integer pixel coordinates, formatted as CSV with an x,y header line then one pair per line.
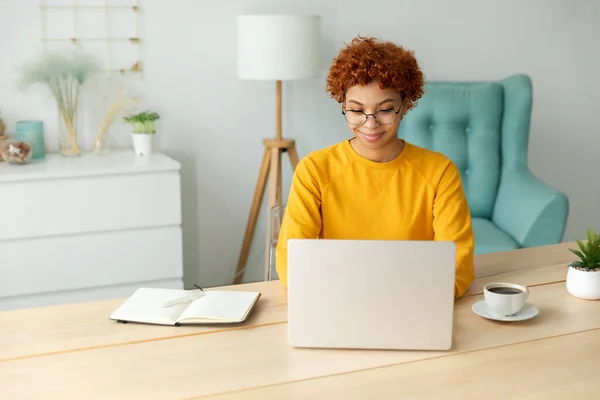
x,y
142,143
583,284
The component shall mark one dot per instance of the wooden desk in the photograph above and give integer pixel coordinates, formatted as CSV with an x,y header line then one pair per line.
x,y
74,351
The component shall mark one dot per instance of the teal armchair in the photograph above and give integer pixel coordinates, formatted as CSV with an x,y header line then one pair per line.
x,y
483,127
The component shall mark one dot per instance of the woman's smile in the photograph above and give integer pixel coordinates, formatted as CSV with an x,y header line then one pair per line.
x,y
372,137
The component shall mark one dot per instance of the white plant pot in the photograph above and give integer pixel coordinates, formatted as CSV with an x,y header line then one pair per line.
x,y
142,143
583,284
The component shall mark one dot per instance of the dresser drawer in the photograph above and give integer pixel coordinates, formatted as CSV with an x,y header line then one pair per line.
x,y
63,206
64,263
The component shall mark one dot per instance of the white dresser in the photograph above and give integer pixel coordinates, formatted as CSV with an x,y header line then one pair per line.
x,y
88,228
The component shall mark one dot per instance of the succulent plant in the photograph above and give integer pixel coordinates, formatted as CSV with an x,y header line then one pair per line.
x,y
589,253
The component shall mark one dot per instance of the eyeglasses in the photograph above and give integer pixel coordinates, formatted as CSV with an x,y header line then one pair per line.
x,y
382,117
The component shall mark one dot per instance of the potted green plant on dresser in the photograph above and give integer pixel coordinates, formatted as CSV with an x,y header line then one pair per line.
x,y
583,277
144,128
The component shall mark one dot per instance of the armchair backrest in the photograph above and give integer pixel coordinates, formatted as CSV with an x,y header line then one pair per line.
x,y
483,127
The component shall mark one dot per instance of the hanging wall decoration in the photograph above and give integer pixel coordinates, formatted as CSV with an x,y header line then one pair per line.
x,y
107,29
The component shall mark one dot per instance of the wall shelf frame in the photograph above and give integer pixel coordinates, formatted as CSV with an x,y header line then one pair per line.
x,y
107,29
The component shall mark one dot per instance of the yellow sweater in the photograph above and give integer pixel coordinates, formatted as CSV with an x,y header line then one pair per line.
x,y
337,194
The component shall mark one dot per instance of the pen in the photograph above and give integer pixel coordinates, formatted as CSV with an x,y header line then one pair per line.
x,y
185,299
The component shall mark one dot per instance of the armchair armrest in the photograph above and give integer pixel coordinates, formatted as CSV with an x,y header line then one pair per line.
x,y
528,209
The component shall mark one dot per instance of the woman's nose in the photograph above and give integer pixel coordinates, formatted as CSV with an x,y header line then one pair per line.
x,y
371,122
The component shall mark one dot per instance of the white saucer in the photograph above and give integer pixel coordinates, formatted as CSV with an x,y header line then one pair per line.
x,y
529,311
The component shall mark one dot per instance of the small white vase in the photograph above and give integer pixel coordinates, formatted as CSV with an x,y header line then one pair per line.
x,y
142,143
583,284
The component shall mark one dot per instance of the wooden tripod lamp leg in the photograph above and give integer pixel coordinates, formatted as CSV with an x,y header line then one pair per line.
x,y
293,154
259,193
270,170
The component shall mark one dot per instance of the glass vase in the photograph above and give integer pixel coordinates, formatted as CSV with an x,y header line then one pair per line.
x,y
102,144
68,130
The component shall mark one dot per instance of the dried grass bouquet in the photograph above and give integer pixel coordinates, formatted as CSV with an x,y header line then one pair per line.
x,y
64,73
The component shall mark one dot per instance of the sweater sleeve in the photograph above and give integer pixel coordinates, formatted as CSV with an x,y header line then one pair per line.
x,y
302,217
452,222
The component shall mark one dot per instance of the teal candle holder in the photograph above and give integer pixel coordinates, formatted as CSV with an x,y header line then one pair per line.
x,y
32,133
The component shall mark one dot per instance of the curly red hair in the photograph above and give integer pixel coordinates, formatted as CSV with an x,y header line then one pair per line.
x,y
367,59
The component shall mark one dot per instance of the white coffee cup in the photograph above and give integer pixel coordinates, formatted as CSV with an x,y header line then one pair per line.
x,y
504,298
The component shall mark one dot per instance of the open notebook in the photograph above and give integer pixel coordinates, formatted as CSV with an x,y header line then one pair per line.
x,y
147,305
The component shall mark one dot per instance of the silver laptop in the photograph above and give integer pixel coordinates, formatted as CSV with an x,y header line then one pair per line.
x,y
371,294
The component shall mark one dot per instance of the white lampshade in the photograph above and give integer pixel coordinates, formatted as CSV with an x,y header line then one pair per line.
x,y
278,47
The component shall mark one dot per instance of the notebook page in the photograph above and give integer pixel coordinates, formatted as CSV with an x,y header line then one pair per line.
x,y
147,305
221,305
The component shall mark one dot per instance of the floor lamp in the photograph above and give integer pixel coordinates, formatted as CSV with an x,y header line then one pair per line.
x,y
274,48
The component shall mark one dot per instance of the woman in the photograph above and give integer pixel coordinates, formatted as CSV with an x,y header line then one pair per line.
x,y
374,185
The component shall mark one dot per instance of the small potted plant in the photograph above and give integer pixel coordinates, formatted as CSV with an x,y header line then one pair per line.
x,y
583,277
144,128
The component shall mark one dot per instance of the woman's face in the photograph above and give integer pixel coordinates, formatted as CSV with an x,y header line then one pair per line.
x,y
371,99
